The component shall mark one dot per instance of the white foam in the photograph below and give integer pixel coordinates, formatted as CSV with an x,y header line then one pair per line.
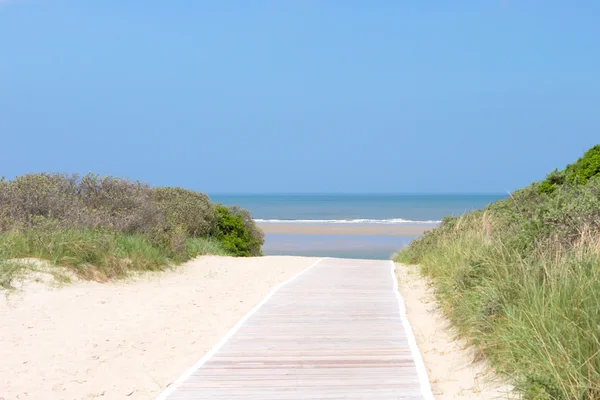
x,y
391,221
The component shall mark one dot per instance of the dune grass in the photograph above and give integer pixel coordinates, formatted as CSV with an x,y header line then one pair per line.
x,y
520,281
94,254
9,272
536,318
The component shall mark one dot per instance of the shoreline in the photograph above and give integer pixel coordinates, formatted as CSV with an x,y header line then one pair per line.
x,y
344,229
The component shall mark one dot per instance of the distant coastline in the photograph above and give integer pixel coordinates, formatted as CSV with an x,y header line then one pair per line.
x,y
407,209
374,226
345,229
361,221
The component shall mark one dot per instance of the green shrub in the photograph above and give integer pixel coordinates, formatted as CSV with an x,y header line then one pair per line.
x,y
585,168
237,233
578,173
103,227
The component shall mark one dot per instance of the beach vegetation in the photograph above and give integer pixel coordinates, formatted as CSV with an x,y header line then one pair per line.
x,y
520,281
578,173
236,230
106,227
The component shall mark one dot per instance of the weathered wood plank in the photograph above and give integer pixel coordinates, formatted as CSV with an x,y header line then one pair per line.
x,y
336,331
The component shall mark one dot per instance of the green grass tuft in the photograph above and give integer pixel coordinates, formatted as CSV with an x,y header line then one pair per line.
x,y
9,272
94,254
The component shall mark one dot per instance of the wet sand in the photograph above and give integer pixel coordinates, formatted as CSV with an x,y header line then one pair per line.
x,y
341,229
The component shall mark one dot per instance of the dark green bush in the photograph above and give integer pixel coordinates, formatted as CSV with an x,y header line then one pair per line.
x,y
578,173
585,168
237,232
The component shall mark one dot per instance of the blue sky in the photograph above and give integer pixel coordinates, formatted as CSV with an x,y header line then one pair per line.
x,y
300,96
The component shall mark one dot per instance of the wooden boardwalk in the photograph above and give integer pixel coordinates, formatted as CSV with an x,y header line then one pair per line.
x,y
335,331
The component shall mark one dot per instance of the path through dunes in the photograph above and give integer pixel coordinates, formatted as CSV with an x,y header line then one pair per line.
x,y
337,330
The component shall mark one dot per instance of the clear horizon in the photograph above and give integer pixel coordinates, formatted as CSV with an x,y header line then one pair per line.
x,y
358,194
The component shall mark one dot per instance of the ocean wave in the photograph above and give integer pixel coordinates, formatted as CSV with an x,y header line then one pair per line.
x,y
391,221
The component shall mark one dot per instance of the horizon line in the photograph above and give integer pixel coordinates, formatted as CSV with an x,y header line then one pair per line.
x,y
354,193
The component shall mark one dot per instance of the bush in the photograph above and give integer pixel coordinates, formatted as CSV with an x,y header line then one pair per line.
x,y
578,173
88,202
112,225
238,233
586,168
190,210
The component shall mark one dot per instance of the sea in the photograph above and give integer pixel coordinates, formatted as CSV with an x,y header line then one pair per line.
x,y
358,209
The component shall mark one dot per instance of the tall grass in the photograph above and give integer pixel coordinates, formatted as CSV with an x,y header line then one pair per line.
x,y
537,319
521,282
94,254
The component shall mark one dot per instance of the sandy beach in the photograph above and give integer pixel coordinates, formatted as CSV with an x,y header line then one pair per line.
x,y
345,229
131,339
127,340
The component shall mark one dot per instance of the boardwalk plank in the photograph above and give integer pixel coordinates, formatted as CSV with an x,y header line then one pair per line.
x,y
337,331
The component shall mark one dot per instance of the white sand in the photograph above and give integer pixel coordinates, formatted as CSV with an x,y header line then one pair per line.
x,y
130,340
127,340
449,363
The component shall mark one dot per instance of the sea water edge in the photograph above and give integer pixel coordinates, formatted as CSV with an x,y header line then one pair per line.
x,y
350,210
